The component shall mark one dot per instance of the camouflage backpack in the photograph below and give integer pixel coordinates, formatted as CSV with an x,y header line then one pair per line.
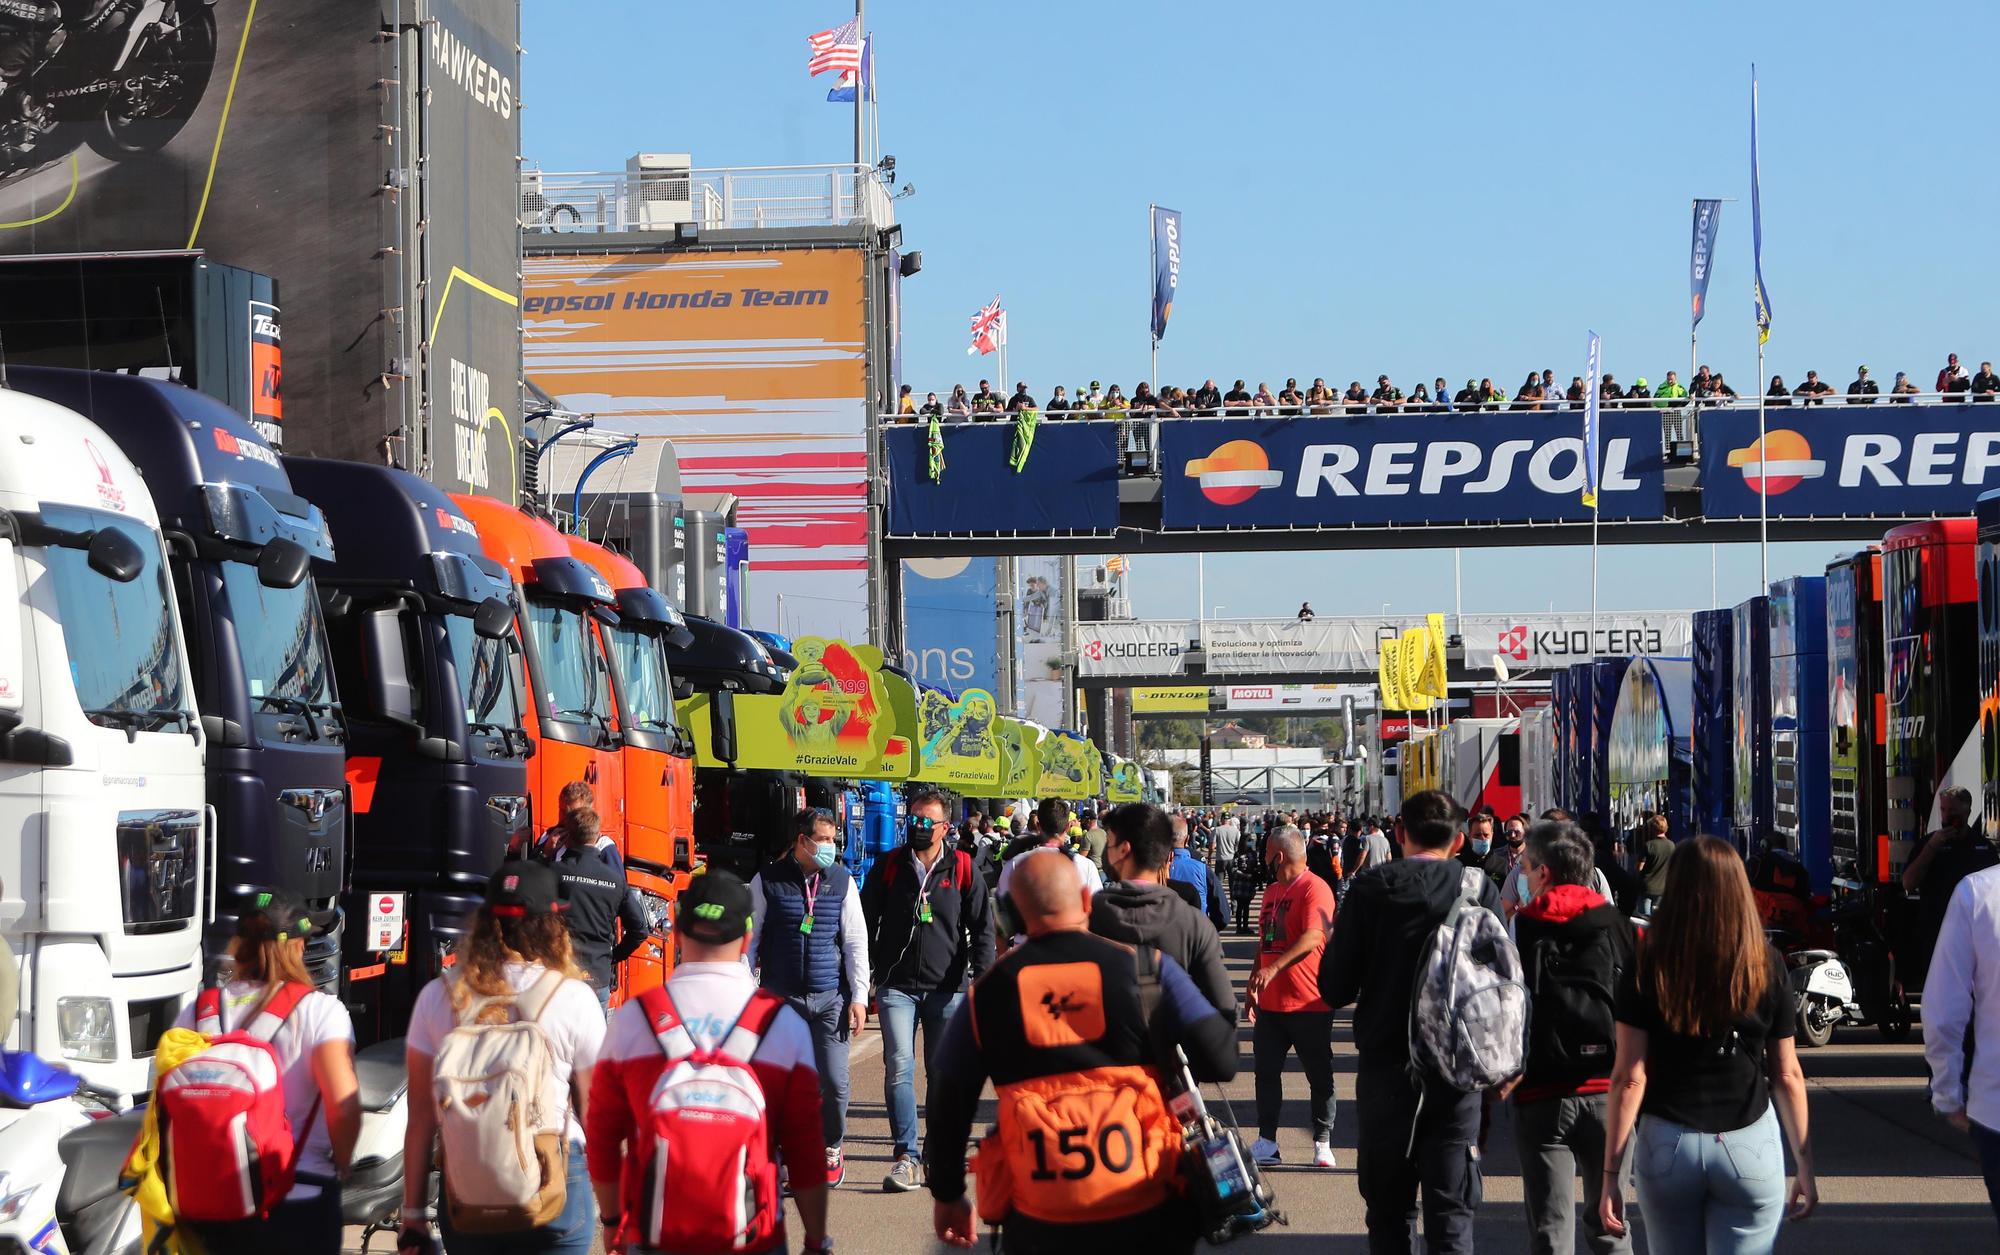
x,y
1469,1010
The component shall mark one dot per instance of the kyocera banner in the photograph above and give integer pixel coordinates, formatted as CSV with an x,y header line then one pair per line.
x,y
1407,468
1121,649
1545,641
1889,460
1275,646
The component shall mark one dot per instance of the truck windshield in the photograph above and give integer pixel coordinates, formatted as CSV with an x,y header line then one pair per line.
x,y
282,640
642,670
482,664
123,655
568,662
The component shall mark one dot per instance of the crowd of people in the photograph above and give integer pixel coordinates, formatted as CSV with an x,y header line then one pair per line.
x,y
1539,391
1058,957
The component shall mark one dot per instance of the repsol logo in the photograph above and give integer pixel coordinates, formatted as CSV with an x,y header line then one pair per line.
x,y
1906,727
1173,254
1930,459
709,298
1395,468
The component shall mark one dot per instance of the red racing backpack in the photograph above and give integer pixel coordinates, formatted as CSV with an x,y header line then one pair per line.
x,y
222,1118
707,1183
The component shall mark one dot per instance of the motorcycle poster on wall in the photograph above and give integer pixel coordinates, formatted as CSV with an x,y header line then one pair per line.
x,y
261,136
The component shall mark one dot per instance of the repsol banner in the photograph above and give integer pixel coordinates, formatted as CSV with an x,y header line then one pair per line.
x,y
1558,640
1827,461
1123,649
1393,469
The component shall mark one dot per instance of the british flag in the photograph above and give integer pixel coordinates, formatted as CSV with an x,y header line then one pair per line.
x,y
989,329
836,49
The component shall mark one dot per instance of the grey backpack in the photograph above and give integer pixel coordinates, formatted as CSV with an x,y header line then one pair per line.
x,y
1469,1010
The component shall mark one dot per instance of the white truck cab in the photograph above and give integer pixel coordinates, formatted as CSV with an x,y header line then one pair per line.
x,y
105,838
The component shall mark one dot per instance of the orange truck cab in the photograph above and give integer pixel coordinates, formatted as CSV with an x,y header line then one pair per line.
x,y
573,719
658,756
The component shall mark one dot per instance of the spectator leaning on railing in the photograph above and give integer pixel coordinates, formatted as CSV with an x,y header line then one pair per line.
x,y
1985,384
1863,390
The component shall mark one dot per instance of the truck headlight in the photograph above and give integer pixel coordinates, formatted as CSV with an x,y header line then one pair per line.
x,y
659,913
87,1029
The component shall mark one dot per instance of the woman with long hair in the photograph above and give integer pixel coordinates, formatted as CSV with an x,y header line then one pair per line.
x,y
1706,1068
315,1049
517,952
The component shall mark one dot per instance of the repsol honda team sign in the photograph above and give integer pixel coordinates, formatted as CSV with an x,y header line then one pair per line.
x,y
1827,461
1363,471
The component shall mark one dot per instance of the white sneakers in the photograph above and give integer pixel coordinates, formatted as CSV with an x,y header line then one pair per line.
x,y
1322,1155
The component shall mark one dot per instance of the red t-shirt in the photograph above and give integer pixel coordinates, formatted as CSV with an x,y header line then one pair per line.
x,y
1289,910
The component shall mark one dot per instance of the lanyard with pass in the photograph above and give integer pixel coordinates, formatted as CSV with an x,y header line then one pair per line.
x,y
812,899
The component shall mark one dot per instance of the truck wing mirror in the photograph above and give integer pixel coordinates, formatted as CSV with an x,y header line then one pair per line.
x,y
13,684
115,555
494,618
391,695
722,725
283,564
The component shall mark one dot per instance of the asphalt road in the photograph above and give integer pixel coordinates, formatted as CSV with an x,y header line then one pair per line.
x,y
1892,1178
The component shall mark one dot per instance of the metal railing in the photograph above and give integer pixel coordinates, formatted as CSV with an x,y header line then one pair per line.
x,y
736,198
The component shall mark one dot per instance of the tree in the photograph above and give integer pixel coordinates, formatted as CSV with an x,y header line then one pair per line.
x,y
1169,734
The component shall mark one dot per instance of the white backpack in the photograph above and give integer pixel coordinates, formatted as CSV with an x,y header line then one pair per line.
x,y
1469,1010
501,1113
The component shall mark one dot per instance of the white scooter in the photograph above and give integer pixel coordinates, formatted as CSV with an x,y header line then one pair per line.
x,y
372,1196
59,1163
1825,994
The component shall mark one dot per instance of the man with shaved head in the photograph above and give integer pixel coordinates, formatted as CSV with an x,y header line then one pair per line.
x,y
1061,1025
1296,920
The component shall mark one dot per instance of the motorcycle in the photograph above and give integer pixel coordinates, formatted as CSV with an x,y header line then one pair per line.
x,y
119,76
1824,993
372,1196
67,1203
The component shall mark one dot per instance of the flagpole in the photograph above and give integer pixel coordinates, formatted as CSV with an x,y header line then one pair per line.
x,y
1763,481
860,105
1152,271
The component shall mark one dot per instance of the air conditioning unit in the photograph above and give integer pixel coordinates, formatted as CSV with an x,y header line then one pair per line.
x,y
657,191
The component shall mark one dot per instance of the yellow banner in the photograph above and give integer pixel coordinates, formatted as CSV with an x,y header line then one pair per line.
x,y
1435,683
955,741
1389,670
1184,700
1068,769
1124,783
1020,760
1414,659
836,716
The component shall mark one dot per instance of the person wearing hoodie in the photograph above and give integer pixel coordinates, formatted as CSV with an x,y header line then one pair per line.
x,y
1413,1132
1138,908
1576,947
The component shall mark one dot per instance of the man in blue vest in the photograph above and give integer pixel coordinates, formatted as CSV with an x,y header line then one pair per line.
x,y
810,943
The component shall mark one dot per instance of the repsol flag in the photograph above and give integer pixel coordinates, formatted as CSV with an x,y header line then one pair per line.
x,y
1820,462
1166,266
1316,472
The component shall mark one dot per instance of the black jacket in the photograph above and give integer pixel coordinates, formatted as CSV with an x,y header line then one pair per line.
x,y
1378,938
1531,928
916,957
600,906
1139,912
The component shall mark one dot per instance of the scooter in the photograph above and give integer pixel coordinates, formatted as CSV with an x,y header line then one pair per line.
x,y
1825,994
66,1203
372,1196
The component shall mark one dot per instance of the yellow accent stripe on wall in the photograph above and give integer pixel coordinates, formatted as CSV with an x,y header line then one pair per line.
x,y
215,153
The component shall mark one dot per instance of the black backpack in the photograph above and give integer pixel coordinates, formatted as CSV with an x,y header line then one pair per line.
x,y
1574,982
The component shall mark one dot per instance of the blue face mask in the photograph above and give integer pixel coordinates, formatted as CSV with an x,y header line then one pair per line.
x,y
823,854
1481,847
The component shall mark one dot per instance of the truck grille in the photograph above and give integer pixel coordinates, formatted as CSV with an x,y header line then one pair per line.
x,y
156,868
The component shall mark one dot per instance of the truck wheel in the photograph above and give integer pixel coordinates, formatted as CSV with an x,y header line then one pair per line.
x,y
1895,1022
1815,1026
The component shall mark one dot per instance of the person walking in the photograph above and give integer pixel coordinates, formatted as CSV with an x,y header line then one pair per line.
x,y
1093,838
517,963
313,1039
606,924
1246,876
1416,1132
1707,1070
1576,948
1653,859
1961,1008
929,927
713,1003
1228,837
1137,908
809,944
1187,869
1289,1013
1061,1025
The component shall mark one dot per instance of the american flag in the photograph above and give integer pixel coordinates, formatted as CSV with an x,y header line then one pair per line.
x,y
837,49
989,329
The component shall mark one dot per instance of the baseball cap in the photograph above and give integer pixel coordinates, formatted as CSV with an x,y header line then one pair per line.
x,y
715,908
521,888
286,913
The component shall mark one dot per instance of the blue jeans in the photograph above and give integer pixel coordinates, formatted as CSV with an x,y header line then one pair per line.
x,y
1987,1142
900,1011
571,1233
296,1226
826,1016
1719,1193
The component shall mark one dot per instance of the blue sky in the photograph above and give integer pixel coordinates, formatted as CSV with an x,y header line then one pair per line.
x,y
1423,189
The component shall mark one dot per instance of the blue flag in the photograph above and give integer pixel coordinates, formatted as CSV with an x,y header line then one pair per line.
x,y
1701,257
1166,266
1762,295
1592,364
844,94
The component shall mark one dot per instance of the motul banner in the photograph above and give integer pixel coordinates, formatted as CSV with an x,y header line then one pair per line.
x,y
1267,646
1124,648
1556,641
